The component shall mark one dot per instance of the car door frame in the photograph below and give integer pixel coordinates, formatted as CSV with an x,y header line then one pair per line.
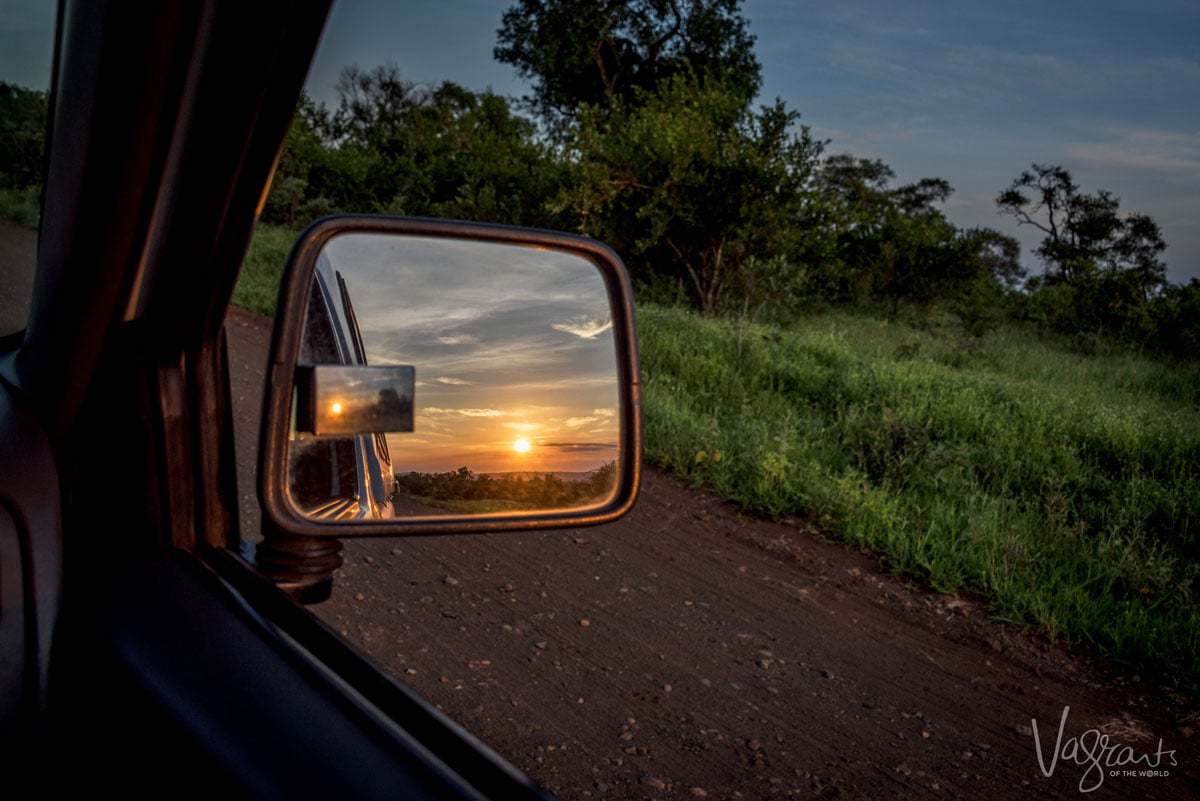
x,y
165,126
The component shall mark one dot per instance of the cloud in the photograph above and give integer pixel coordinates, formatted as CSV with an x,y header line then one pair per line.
x,y
458,339
1143,149
464,412
603,412
584,327
523,427
454,382
581,447
576,422
574,382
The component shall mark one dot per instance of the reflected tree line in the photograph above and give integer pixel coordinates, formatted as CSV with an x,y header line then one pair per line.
x,y
520,490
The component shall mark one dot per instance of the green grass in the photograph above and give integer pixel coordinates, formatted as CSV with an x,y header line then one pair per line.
x,y
21,205
1064,488
258,284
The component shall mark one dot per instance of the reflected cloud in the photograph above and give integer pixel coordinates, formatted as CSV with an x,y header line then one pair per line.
x,y
582,447
464,412
583,327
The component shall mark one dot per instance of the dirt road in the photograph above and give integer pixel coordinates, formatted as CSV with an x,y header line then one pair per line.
x,y
688,652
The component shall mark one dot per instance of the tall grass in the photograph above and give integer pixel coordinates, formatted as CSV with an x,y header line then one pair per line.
x,y
1063,487
258,283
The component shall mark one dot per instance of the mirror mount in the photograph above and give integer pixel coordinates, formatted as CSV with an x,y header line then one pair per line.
x,y
302,567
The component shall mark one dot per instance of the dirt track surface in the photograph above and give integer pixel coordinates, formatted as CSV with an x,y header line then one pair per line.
x,y
688,651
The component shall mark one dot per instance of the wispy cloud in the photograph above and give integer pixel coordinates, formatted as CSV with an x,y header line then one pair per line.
x,y
464,412
581,446
1143,149
458,339
454,382
583,327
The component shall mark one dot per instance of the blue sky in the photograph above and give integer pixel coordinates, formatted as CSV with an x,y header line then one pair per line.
x,y
968,91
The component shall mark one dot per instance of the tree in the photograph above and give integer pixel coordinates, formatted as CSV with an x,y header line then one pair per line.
x,y
1103,267
991,280
689,182
1135,253
1085,233
917,258
394,146
293,199
594,52
997,255
890,243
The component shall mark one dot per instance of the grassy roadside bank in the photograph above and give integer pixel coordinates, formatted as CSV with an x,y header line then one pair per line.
x,y
1065,488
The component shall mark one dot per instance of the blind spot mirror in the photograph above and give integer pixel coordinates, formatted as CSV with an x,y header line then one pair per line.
x,y
430,376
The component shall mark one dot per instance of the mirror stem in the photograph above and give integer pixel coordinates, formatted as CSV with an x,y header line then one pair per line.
x,y
300,566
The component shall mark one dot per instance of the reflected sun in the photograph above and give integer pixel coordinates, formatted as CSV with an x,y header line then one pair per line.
x,y
522,445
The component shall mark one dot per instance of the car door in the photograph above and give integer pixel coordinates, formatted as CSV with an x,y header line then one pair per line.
x,y
148,657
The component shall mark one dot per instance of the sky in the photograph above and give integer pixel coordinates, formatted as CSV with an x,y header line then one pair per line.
x,y
513,348
968,91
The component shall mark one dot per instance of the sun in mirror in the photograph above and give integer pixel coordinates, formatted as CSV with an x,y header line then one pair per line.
x,y
515,398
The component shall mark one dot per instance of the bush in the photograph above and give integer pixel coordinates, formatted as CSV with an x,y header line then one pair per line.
x,y
22,206
22,135
1177,320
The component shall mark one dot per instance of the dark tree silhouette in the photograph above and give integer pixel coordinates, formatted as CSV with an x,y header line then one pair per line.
x,y
596,51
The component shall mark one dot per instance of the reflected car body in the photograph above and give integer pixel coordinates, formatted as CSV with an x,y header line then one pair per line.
x,y
342,478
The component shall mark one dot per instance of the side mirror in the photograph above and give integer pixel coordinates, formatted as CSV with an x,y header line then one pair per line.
x,y
442,377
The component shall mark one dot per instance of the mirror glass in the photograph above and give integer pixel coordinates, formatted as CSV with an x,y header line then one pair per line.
x,y
512,401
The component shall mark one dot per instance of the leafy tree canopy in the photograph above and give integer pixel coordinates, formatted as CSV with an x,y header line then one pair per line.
x,y
688,181
591,52
394,146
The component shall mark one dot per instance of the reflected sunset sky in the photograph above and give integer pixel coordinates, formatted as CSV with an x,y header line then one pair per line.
x,y
512,345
